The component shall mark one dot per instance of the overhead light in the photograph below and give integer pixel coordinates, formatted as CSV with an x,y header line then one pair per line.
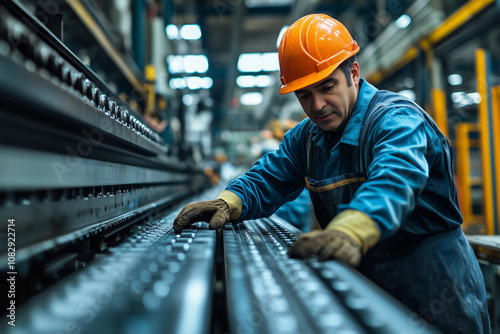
x,y
270,61
465,99
175,64
194,83
264,80
245,81
177,83
187,99
257,62
249,81
207,83
475,97
403,21
251,99
172,31
457,97
280,36
198,63
191,32
455,79
187,31
187,64
249,62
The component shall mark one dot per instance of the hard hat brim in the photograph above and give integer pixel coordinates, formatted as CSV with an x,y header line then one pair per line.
x,y
307,80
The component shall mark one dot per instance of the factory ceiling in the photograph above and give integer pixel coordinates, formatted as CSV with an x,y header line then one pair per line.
x,y
233,27
239,100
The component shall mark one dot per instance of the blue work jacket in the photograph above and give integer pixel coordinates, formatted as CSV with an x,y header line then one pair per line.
x,y
408,187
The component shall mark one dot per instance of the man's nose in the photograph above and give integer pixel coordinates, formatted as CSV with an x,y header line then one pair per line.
x,y
318,102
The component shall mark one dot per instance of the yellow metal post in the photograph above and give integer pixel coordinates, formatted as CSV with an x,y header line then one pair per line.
x,y
485,138
439,107
463,170
438,96
495,108
149,88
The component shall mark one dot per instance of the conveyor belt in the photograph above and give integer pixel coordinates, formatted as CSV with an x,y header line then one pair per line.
x,y
268,292
153,282
159,282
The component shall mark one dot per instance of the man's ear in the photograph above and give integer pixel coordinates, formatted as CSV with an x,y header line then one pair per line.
x,y
355,73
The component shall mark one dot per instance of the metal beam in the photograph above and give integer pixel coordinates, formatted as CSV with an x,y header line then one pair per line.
x,y
235,47
137,45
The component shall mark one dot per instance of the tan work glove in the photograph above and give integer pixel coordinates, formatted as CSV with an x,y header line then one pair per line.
x,y
348,236
215,212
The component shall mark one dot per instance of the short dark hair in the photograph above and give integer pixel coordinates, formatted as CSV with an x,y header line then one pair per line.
x,y
345,66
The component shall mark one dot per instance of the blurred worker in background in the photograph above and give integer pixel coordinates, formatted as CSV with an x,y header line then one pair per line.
x,y
157,119
380,177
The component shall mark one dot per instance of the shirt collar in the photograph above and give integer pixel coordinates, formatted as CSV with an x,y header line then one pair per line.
x,y
353,127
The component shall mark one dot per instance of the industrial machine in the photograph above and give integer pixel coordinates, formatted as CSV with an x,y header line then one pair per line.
x,y
88,194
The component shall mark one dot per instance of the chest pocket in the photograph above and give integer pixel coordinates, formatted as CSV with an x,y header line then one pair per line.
x,y
327,195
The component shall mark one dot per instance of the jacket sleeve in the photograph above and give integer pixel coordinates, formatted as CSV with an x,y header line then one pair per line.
x,y
399,153
275,178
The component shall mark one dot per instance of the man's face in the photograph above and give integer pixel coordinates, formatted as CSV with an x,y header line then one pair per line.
x,y
329,102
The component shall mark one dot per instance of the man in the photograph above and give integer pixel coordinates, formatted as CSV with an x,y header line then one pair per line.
x,y
380,177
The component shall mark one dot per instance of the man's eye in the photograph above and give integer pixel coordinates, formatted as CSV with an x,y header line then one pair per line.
x,y
303,96
327,88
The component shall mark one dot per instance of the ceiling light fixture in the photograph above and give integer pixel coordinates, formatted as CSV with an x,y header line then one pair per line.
x,y
251,99
258,62
191,32
403,21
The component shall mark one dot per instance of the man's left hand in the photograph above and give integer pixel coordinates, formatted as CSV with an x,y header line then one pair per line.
x,y
327,244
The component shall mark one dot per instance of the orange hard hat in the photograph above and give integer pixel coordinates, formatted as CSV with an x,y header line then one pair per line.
x,y
311,49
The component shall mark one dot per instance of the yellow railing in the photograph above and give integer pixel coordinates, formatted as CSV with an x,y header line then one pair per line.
x,y
449,25
465,182
495,108
439,110
488,131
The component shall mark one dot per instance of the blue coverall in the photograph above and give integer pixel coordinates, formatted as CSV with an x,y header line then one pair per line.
x,y
400,174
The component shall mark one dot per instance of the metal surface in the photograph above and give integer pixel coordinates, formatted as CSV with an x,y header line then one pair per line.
x,y
268,292
154,282
89,22
64,171
487,250
81,176
30,21
486,247
70,104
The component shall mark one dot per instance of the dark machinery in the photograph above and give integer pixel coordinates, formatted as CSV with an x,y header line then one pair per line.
x,y
88,194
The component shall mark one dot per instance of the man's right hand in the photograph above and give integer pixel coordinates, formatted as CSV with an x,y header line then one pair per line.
x,y
215,212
